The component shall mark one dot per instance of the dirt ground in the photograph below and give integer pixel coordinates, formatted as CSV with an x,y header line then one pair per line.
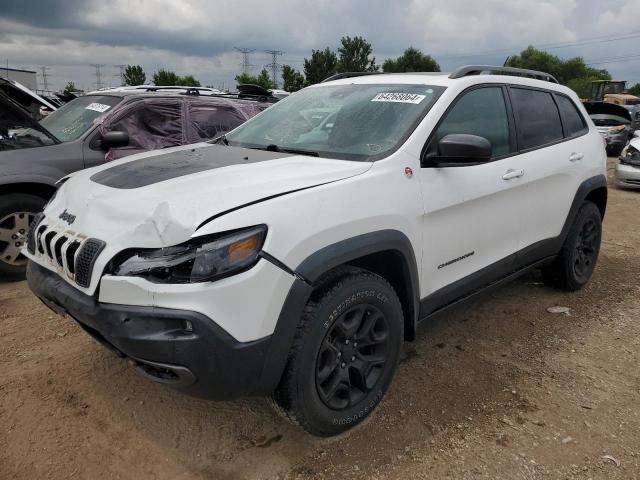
x,y
496,389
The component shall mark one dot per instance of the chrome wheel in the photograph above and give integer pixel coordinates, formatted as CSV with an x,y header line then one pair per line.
x,y
13,237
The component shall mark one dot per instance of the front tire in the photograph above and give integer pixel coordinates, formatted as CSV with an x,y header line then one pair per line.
x,y
17,211
344,355
575,264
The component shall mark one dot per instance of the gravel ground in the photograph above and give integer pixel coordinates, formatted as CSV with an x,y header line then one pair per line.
x,y
500,388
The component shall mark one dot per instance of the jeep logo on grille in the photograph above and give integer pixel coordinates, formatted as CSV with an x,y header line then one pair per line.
x,y
67,217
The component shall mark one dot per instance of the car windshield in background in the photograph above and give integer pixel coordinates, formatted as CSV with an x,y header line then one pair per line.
x,y
71,120
351,122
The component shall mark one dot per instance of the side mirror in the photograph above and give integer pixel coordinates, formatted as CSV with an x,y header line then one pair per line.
x,y
114,139
461,149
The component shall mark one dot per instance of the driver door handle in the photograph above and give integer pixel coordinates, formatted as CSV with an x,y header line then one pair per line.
x,y
510,174
574,157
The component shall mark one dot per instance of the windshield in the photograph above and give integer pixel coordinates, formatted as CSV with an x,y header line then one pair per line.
x,y
352,122
70,121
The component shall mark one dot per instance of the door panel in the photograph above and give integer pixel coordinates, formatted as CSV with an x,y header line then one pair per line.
x,y
470,220
552,162
471,213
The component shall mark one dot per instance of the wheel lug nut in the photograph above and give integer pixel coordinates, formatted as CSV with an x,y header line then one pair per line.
x,y
343,365
346,342
17,244
339,354
353,358
355,344
14,236
22,230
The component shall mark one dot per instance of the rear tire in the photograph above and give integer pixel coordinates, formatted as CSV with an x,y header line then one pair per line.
x,y
344,354
17,210
573,267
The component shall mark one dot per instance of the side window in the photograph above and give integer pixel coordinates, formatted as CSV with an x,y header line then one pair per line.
x,y
151,125
480,112
572,120
209,120
538,118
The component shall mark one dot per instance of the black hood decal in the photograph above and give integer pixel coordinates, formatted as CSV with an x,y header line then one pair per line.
x,y
155,169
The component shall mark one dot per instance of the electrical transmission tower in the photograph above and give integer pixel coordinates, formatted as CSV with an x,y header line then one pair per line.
x,y
121,74
274,65
98,67
45,78
246,65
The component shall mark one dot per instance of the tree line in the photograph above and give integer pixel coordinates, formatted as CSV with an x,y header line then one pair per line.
x,y
355,54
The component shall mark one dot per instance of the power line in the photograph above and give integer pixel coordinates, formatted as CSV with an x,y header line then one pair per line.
x,y
548,46
246,64
121,74
274,65
98,67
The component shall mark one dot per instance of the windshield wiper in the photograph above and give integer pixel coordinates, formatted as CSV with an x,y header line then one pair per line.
x,y
222,139
275,148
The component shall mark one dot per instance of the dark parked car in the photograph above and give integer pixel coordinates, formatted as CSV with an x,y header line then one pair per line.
x,y
615,123
87,132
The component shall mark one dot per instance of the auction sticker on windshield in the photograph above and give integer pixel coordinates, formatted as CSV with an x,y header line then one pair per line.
x,y
398,97
98,107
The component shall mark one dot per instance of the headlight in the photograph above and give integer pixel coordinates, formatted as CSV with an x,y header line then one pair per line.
x,y
199,260
615,130
630,155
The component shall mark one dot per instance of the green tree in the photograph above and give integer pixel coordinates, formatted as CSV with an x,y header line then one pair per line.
x,y
635,90
322,64
292,79
188,81
262,79
354,56
134,75
165,78
71,87
572,72
412,60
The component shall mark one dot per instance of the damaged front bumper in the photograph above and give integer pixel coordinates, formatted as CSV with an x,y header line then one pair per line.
x,y
179,348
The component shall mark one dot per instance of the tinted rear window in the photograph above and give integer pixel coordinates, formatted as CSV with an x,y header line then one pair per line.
x,y
538,118
573,122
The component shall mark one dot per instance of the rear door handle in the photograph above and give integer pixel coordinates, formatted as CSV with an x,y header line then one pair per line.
x,y
510,174
574,157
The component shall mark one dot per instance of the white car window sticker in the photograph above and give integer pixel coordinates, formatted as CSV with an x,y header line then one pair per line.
x,y
399,97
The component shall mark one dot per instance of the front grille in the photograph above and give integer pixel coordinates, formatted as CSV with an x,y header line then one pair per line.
x,y
85,260
31,235
73,254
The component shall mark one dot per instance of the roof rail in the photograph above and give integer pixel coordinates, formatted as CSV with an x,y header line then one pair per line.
x,y
339,76
478,69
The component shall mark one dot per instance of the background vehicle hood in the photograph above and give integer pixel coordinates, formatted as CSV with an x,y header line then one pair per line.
x,y
160,199
605,108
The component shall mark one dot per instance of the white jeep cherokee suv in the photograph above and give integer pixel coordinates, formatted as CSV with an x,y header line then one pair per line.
x,y
294,256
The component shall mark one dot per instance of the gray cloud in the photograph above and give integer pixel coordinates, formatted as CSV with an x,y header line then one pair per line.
x,y
198,36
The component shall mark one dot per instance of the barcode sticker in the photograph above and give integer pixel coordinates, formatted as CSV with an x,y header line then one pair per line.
x,y
398,97
98,107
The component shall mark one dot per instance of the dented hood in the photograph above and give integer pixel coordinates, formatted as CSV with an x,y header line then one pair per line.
x,y
160,199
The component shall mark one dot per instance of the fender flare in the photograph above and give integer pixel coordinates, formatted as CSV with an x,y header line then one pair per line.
x,y
309,271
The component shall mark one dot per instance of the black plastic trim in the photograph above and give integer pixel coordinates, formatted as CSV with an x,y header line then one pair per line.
x,y
207,361
478,69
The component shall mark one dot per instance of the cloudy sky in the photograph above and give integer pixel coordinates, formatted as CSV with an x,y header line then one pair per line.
x,y
198,37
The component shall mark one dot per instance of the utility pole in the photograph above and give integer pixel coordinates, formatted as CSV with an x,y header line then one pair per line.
x,y
246,65
98,67
121,74
274,65
45,78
